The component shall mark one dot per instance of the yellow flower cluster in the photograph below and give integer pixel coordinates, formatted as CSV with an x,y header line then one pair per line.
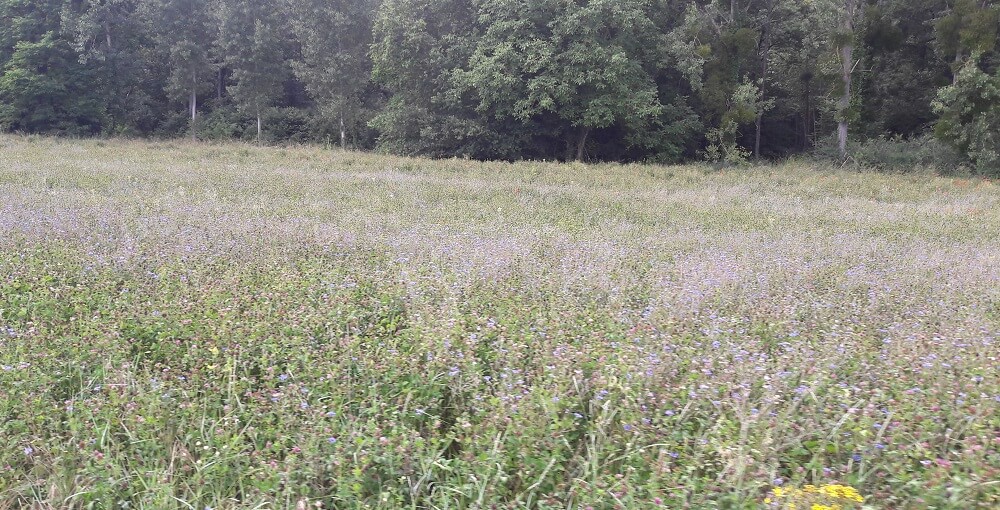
x,y
842,492
815,498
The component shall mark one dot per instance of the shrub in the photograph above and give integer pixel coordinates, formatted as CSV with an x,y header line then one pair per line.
x,y
287,124
970,117
895,154
223,123
898,154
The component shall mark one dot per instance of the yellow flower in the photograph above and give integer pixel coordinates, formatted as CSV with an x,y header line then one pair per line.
x,y
842,492
805,496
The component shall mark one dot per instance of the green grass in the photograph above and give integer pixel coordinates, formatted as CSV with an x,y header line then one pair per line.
x,y
190,325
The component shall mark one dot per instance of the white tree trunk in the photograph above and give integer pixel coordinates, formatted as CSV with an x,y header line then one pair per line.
x,y
194,111
756,141
343,134
957,66
844,103
764,54
847,69
581,144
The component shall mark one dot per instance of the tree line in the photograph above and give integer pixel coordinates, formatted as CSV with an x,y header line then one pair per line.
x,y
599,80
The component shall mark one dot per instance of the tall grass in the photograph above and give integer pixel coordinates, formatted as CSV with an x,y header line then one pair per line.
x,y
221,326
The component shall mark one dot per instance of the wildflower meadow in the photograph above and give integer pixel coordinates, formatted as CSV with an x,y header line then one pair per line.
x,y
199,326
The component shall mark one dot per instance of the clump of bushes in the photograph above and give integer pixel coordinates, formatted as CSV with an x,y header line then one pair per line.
x,y
896,154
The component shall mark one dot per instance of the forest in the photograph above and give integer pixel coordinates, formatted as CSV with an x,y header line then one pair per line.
x,y
892,84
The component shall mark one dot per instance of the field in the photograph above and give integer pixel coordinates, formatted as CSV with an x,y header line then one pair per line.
x,y
223,326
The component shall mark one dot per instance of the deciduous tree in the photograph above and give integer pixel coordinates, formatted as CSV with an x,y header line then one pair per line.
x,y
185,32
253,38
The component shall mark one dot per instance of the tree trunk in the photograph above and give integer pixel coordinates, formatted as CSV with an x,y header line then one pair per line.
x,y
844,103
756,141
194,109
218,85
956,67
807,121
258,126
107,35
112,57
847,69
842,132
846,51
764,55
581,144
343,134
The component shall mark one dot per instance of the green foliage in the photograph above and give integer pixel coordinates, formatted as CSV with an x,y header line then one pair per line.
x,y
224,123
44,89
584,63
744,107
26,21
969,27
895,96
290,124
253,40
898,154
722,147
334,64
420,48
970,116
601,80
184,34
111,38
920,154
725,75
670,137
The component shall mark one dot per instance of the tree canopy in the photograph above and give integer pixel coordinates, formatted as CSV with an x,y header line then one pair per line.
x,y
598,80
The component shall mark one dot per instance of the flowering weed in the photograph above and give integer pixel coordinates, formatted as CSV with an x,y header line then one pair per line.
x,y
191,326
